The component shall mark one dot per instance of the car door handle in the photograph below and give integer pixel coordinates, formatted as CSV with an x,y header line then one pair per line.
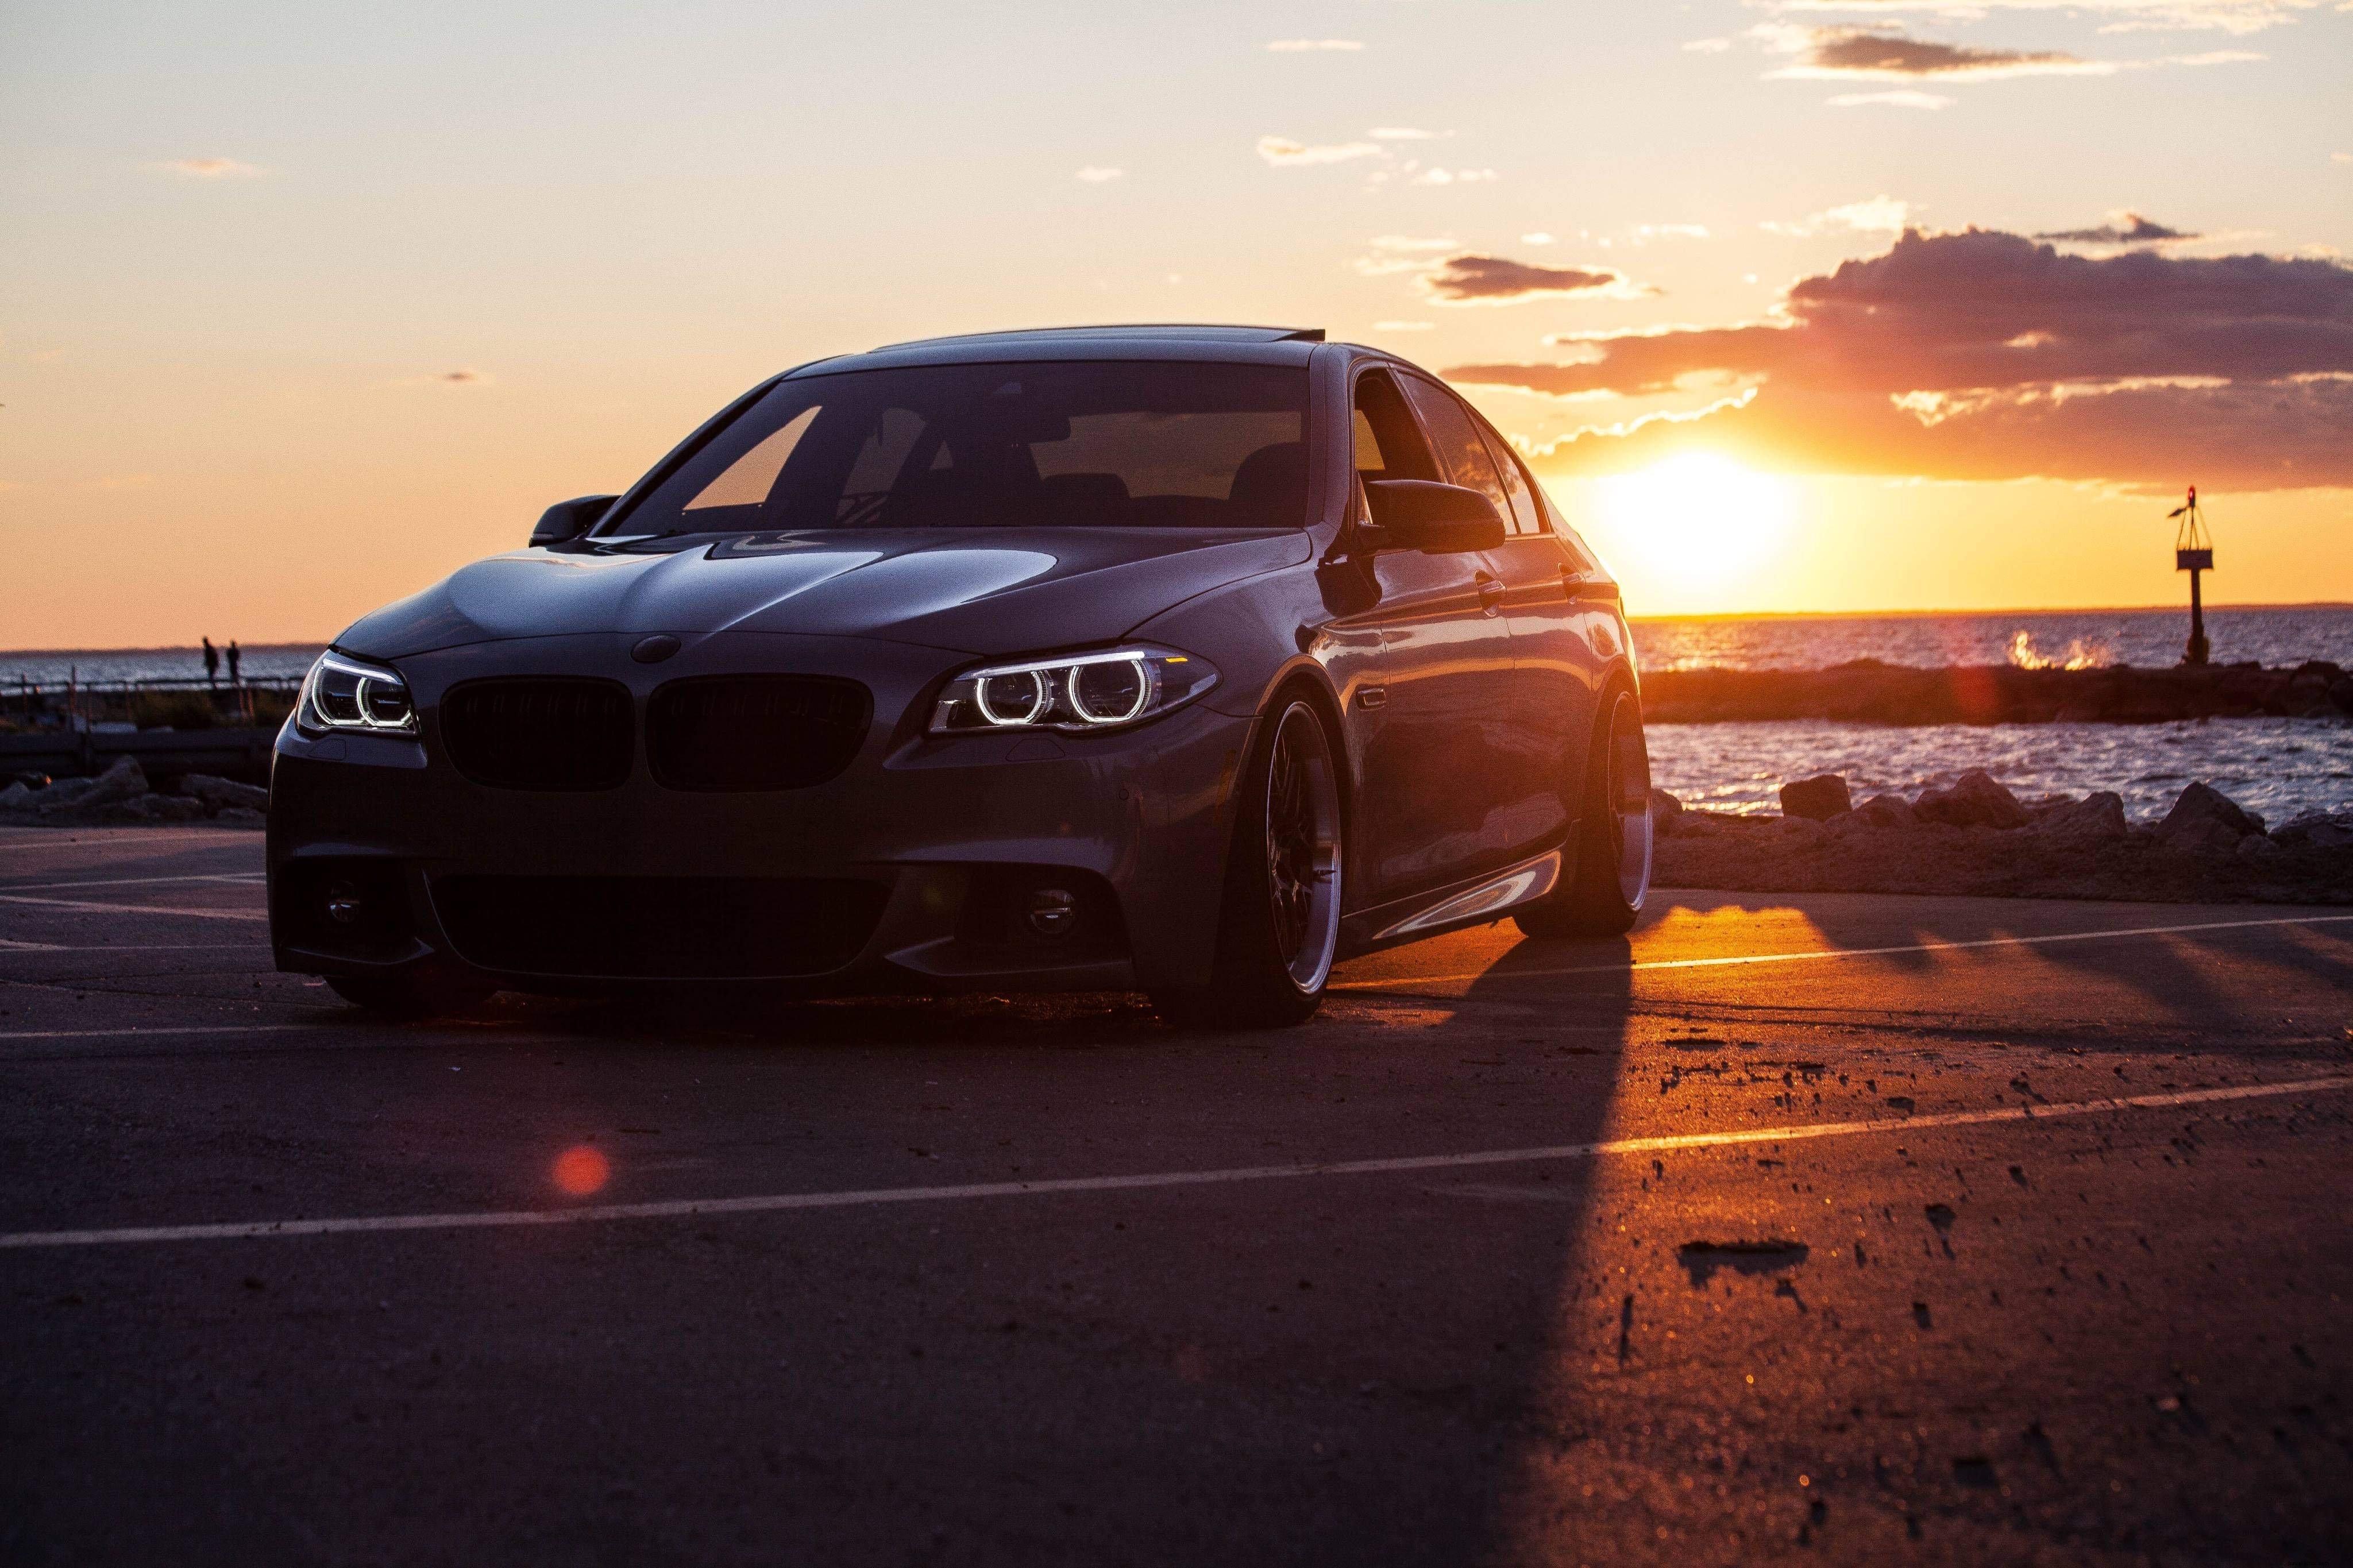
x,y
1580,587
1491,593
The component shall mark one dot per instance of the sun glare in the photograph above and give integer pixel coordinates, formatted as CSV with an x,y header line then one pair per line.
x,y
1698,518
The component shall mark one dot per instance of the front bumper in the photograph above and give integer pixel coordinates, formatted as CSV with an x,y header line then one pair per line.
x,y
943,831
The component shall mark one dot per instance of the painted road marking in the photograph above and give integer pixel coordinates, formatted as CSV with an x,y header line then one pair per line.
x,y
136,946
1845,951
700,1208
174,1029
241,878
137,909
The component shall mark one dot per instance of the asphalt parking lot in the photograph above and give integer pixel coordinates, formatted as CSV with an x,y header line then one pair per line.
x,y
1809,1228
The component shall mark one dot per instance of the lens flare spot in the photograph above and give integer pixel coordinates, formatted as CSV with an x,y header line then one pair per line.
x,y
581,1170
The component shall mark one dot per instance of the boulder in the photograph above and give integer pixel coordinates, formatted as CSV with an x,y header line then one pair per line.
x,y
220,792
2201,809
242,817
1665,812
1888,811
1819,798
1973,800
125,781
17,795
164,809
2318,830
2086,821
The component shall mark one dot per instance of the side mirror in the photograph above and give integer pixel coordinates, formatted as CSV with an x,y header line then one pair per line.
x,y
569,518
1435,519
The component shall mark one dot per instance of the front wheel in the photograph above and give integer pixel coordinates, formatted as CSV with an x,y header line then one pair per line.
x,y
1605,888
1279,928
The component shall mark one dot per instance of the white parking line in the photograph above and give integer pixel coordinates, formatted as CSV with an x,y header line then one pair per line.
x,y
137,909
700,1208
1843,951
135,946
173,1029
241,878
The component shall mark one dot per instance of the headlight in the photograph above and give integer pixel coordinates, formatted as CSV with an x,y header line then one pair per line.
x,y
341,693
1073,692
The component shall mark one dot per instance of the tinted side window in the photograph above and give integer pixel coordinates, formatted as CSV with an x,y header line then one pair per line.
x,y
1389,445
1460,446
1525,516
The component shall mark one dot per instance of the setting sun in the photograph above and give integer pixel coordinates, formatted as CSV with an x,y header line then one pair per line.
x,y
1696,519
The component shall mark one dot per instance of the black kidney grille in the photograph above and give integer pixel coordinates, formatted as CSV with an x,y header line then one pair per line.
x,y
672,928
728,733
550,733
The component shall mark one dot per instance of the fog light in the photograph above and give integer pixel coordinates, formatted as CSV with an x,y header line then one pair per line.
x,y
1053,913
344,904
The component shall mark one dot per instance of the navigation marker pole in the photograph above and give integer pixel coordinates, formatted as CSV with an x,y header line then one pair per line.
x,y
2193,552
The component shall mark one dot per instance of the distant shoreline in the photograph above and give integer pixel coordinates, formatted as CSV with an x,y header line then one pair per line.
x,y
1638,620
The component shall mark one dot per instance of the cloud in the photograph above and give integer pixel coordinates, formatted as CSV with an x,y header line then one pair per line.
x,y
1539,237
1497,280
1280,151
1708,46
1883,54
1900,98
2125,15
1874,215
2122,229
1097,175
451,378
1453,177
1314,46
1407,242
212,168
1982,354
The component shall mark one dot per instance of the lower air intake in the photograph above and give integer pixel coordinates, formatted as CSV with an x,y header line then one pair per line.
x,y
659,928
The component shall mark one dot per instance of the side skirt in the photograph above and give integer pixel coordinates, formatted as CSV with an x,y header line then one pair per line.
x,y
1474,902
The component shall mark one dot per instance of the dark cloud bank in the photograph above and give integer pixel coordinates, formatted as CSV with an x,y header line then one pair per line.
x,y
1984,355
1497,280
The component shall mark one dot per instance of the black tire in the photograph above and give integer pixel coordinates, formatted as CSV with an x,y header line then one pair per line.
x,y
412,995
1279,926
1605,888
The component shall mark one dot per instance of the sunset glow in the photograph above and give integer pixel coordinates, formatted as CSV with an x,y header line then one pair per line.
x,y
272,355
1699,519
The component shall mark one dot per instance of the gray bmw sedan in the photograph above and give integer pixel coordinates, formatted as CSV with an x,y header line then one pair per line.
x,y
1183,659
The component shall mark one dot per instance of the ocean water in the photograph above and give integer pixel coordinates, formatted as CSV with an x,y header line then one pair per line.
x,y
2276,766
50,666
2283,635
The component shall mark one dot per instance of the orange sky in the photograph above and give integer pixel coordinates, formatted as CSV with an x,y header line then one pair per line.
x,y
300,311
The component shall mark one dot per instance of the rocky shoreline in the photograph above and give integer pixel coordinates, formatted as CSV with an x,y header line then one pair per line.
x,y
1976,837
123,793
1869,692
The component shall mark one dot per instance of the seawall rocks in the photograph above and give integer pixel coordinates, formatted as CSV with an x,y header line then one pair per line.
x,y
1867,691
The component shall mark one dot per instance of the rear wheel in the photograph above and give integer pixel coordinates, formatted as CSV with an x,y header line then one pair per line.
x,y
1605,888
1279,925
412,995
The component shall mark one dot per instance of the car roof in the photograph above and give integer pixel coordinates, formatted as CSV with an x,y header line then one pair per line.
x,y
1154,341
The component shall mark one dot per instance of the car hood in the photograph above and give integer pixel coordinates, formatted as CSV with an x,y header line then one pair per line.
x,y
1006,591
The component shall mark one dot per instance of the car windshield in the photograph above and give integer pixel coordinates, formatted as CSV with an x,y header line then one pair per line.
x,y
1073,444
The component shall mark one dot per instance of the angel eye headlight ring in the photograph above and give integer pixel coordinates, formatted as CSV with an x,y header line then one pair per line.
x,y
1075,693
346,695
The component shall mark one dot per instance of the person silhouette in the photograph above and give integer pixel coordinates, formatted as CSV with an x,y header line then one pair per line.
x,y
212,662
232,661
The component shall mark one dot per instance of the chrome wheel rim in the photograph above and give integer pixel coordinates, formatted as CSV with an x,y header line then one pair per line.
x,y
1630,800
1302,848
